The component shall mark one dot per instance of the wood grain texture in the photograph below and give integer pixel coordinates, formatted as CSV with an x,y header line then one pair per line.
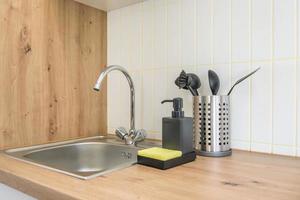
x,y
244,175
51,52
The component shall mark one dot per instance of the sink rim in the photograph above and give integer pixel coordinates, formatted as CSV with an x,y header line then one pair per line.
x,y
28,152
40,146
20,153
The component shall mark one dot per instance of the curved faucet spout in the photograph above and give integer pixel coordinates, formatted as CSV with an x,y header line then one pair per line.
x,y
132,93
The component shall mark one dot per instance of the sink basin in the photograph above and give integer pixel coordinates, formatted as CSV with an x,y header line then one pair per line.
x,y
83,158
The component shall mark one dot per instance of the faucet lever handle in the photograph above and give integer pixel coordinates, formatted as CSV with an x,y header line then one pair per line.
x,y
140,135
121,132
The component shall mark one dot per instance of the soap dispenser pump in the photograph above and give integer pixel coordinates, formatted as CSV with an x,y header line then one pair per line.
x,y
177,106
177,130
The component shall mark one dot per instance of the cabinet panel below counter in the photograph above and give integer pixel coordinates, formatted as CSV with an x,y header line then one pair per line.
x,y
12,194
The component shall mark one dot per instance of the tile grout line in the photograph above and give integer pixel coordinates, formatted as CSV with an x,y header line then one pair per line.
x,y
108,26
250,67
151,103
167,31
296,75
180,32
195,33
272,72
265,143
196,25
153,44
261,142
230,64
142,72
120,57
208,64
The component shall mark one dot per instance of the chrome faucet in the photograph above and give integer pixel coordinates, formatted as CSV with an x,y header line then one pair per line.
x,y
133,136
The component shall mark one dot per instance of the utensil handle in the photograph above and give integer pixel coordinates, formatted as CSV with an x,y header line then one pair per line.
x,y
193,91
242,79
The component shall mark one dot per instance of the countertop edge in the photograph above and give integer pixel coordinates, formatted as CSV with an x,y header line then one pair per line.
x,y
31,188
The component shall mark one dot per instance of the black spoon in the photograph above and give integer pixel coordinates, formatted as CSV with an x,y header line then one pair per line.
x,y
214,82
242,79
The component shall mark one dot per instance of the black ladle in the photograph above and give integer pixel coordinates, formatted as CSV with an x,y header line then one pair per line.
x,y
242,79
214,82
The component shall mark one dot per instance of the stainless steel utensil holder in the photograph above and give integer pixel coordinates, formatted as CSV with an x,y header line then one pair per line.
x,y
212,125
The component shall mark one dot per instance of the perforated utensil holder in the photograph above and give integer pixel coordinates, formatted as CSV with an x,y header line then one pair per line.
x,y
212,126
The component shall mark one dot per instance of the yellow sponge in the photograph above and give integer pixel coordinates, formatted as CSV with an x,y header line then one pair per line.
x,y
159,153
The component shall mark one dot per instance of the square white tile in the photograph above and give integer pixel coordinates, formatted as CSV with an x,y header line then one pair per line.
x,y
160,34
135,36
113,41
125,41
284,150
221,31
284,29
188,33
147,34
261,29
261,106
113,100
298,27
240,14
242,145
284,103
124,99
240,104
298,104
160,94
137,80
204,34
148,100
173,33
261,147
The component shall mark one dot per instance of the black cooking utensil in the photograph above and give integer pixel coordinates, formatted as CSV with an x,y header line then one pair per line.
x,y
242,79
214,82
188,81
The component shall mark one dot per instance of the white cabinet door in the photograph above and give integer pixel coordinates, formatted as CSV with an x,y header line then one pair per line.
x,y
12,194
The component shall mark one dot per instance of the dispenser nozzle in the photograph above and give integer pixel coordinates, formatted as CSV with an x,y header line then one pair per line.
x,y
177,106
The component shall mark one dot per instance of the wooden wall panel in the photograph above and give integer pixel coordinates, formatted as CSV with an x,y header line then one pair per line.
x,y
51,52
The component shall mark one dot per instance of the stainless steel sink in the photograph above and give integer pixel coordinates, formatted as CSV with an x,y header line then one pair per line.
x,y
83,158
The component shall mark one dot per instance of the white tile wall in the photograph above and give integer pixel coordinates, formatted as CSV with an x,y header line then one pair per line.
x,y
221,22
240,18
285,28
240,112
156,39
173,13
204,29
261,29
188,33
298,109
261,98
284,107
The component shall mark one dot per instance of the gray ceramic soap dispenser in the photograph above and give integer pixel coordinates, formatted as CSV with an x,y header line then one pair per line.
x,y
177,130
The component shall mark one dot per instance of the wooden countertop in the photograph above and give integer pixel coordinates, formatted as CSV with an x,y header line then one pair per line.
x,y
244,175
